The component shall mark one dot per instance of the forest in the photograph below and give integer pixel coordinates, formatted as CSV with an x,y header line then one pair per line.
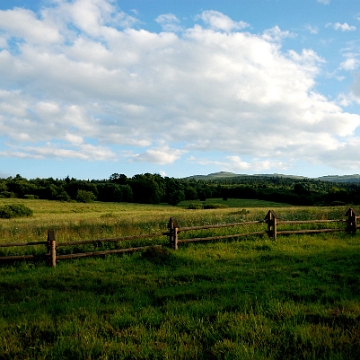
x,y
154,189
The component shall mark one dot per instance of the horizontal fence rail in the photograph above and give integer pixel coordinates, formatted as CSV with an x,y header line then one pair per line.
x,y
106,252
271,220
123,238
25,244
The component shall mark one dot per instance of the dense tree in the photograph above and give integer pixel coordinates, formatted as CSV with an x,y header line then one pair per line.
x,y
145,189
153,189
109,192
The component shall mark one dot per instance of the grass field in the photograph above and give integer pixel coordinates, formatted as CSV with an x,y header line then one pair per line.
x,y
255,298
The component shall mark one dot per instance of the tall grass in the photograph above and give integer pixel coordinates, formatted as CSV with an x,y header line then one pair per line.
x,y
78,221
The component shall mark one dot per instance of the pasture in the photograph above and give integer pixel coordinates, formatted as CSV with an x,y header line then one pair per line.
x,y
252,298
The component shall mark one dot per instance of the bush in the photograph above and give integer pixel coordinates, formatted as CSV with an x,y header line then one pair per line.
x,y
29,196
85,196
195,206
7,194
13,211
62,196
215,206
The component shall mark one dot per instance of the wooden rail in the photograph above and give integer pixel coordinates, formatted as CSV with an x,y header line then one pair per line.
x,y
271,219
123,238
25,244
106,252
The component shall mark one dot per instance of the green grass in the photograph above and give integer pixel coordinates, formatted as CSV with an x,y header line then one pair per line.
x,y
295,298
252,298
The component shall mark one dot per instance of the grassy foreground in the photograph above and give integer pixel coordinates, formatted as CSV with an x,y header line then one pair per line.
x,y
296,298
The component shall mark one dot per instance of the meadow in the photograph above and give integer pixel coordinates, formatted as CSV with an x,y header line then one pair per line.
x,y
249,298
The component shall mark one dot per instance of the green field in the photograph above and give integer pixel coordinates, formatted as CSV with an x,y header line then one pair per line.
x,y
251,298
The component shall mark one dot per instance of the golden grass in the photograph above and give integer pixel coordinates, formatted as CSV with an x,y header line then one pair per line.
x,y
97,220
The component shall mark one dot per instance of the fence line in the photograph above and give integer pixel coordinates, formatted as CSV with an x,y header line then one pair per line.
x,y
123,238
25,244
271,219
106,252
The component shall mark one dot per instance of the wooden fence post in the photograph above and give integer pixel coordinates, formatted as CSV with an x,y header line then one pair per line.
x,y
173,227
51,245
351,222
271,220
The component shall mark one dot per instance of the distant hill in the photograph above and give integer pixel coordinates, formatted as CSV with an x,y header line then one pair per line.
x,y
341,179
217,175
228,175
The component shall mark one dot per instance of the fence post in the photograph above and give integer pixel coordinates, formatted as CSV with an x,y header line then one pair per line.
x,y
51,245
271,220
173,227
351,222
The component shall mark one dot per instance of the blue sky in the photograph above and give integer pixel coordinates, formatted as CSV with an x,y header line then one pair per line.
x,y
93,87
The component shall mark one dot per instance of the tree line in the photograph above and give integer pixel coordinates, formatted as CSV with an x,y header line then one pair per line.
x,y
154,189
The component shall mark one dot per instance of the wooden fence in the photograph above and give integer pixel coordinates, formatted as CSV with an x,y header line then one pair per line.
x,y
271,219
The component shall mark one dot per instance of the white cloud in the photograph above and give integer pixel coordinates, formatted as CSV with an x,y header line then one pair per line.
x,y
83,152
350,64
163,155
169,22
218,21
94,80
24,24
325,2
3,42
344,27
276,34
236,164
312,29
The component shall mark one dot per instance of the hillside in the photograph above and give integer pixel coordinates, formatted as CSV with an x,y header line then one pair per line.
x,y
341,179
227,175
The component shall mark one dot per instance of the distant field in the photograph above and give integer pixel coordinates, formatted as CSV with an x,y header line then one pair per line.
x,y
73,220
241,203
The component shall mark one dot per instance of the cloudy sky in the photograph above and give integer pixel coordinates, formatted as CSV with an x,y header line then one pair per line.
x,y
93,87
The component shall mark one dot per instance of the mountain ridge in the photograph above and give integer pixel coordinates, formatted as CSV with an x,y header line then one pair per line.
x,y
355,178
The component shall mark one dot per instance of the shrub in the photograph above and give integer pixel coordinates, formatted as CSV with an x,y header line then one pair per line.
x,y
85,196
195,206
7,194
215,206
62,196
29,196
15,210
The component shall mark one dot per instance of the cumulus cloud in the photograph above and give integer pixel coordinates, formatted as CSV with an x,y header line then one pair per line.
x,y
350,63
163,155
236,164
218,21
344,27
169,22
86,152
24,24
276,34
97,85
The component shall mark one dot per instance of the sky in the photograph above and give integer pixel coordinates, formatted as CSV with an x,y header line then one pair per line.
x,y
89,88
